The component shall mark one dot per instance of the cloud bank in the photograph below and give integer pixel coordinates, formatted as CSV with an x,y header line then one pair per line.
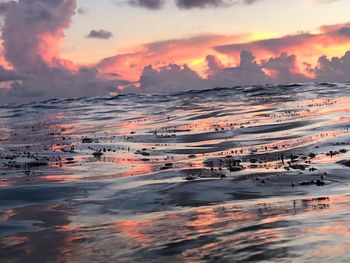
x,y
281,69
276,70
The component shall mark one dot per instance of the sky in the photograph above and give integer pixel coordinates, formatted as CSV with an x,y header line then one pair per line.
x,y
73,48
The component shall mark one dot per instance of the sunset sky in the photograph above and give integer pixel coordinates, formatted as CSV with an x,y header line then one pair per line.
x,y
68,48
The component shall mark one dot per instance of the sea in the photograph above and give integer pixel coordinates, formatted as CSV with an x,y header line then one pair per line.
x,y
236,174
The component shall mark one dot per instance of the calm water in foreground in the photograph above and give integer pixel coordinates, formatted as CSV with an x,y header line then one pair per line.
x,y
226,175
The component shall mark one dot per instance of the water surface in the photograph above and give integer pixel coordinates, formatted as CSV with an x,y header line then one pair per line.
x,y
231,174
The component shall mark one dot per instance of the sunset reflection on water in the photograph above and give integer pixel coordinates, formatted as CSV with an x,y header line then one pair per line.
x,y
191,177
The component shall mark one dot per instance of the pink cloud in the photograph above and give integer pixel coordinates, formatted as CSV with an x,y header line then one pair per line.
x,y
33,31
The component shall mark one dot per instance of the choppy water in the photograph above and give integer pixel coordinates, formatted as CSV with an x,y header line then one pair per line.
x,y
232,174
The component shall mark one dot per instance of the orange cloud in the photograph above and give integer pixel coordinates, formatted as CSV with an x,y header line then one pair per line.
x,y
49,49
330,40
191,51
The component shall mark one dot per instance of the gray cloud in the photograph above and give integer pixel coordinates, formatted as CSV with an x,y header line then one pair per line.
x,y
149,4
188,4
4,6
248,72
10,75
170,79
334,69
82,10
284,69
100,34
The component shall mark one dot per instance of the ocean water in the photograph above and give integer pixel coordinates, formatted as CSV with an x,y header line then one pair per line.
x,y
242,174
